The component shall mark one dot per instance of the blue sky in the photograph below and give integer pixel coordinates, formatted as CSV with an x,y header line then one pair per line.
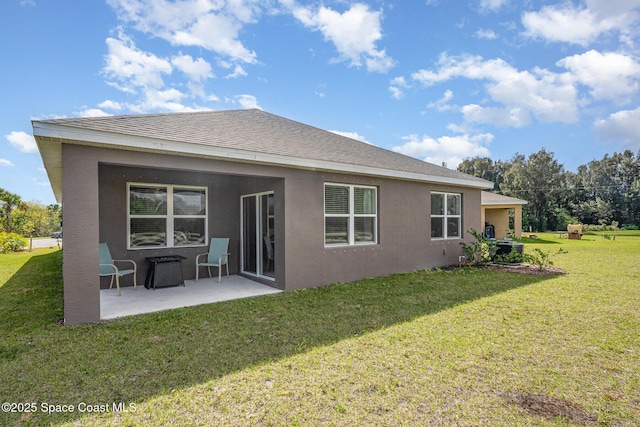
x,y
435,79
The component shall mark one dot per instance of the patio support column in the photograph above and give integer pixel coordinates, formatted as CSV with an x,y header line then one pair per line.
x,y
80,244
517,221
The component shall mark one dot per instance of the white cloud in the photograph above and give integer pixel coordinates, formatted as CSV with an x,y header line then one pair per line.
x,y
451,150
609,75
238,71
212,97
621,126
499,117
397,86
209,24
196,70
442,103
218,33
468,66
549,97
92,112
131,68
5,162
379,62
568,24
613,8
247,101
486,34
167,100
354,33
396,92
136,72
111,105
492,5
320,90
22,141
352,135
216,26
580,25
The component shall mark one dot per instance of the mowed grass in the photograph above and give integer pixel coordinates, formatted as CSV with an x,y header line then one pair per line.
x,y
463,347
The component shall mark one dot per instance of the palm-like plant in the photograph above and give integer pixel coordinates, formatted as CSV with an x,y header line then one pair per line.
x,y
10,202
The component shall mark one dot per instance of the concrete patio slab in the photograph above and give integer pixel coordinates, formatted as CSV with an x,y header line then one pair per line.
x,y
204,291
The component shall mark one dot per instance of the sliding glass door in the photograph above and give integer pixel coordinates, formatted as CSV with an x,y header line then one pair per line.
x,y
258,255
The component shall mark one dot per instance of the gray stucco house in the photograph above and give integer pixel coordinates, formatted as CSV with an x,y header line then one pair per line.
x,y
332,208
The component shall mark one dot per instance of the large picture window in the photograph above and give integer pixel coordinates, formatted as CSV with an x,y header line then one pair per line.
x,y
166,216
446,214
350,214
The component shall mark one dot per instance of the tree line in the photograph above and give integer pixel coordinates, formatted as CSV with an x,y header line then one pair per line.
x,y
602,192
29,219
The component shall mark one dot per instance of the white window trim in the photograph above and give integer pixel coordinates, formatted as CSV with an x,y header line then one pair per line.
x,y
445,216
351,216
169,217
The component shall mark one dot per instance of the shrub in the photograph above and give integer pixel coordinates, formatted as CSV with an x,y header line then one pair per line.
x,y
11,242
541,258
600,227
481,251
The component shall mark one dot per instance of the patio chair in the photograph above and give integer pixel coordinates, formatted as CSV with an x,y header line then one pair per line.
x,y
217,256
108,267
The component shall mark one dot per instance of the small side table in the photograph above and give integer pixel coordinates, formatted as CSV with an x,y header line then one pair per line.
x,y
164,271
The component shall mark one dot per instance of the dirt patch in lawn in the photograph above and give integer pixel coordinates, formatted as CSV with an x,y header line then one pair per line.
x,y
551,408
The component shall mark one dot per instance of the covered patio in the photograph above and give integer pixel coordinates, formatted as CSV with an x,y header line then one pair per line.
x,y
204,291
496,210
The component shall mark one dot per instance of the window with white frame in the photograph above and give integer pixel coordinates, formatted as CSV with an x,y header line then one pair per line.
x,y
166,216
446,215
350,214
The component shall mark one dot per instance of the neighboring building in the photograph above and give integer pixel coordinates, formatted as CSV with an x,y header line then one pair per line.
x,y
495,213
332,208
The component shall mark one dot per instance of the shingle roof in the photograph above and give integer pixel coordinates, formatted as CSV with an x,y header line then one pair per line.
x,y
254,131
500,199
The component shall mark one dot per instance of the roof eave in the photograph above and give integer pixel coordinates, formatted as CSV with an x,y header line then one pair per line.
x,y
496,204
51,153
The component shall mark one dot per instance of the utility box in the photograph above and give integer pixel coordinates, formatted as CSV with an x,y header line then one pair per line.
x,y
505,247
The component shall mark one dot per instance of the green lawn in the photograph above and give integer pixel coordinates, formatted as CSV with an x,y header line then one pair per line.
x,y
463,347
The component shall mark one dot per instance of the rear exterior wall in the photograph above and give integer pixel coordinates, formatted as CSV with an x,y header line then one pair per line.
x,y
404,231
94,191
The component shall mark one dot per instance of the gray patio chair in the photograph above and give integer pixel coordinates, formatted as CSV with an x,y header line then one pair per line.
x,y
109,268
217,256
